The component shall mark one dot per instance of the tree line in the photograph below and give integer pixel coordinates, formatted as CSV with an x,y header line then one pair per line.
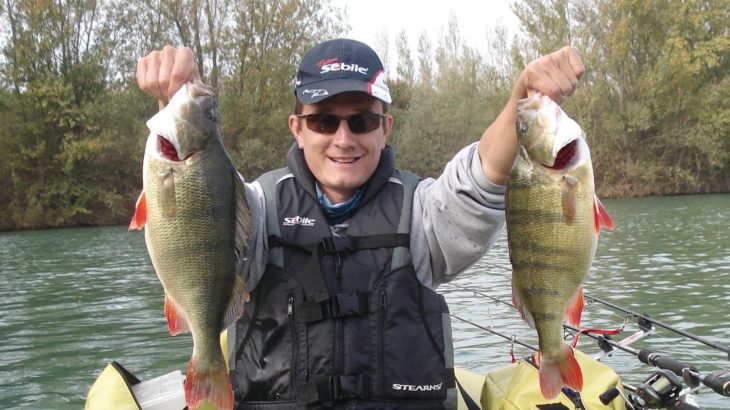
x,y
654,103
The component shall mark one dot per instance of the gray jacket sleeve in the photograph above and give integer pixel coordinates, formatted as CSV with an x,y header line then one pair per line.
x,y
456,218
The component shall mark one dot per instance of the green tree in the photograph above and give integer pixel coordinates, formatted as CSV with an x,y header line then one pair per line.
x,y
651,101
268,38
450,106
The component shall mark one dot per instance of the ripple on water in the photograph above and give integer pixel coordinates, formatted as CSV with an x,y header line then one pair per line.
x,y
76,299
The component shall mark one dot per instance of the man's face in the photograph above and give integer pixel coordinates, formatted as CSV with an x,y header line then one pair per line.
x,y
343,161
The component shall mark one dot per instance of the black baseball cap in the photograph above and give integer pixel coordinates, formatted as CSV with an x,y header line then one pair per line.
x,y
339,66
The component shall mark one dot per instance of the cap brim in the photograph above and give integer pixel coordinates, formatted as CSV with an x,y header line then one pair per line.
x,y
316,92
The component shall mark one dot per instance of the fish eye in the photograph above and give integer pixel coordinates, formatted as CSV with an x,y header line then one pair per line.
x,y
212,113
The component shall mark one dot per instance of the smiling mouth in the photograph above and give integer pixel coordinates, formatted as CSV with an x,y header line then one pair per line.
x,y
343,160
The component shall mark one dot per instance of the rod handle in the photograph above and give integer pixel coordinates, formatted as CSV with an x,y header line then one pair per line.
x,y
663,362
720,385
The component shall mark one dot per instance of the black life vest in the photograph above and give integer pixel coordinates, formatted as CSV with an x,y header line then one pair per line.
x,y
342,321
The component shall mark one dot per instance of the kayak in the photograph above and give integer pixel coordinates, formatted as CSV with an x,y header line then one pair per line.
x,y
515,387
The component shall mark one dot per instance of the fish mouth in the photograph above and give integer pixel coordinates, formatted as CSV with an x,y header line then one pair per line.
x,y
167,149
565,157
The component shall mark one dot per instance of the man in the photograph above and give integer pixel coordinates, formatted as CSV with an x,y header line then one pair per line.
x,y
347,249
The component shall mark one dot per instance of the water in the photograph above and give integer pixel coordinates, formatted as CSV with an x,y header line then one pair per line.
x,y
72,300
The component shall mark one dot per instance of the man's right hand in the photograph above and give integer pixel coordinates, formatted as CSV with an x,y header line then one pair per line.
x,y
161,73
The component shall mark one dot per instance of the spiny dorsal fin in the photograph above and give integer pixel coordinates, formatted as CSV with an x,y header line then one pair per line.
x,y
243,222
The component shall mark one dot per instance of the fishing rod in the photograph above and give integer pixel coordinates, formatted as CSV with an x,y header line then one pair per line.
x,y
648,319
478,293
512,338
644,320
692,376
663,389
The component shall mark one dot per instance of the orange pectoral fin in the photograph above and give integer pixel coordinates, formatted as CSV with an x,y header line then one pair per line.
x,y
139,219
601,216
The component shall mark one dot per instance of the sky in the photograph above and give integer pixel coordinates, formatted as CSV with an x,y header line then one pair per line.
x,y
475,18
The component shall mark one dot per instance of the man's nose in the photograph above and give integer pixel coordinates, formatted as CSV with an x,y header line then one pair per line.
x,y
343,135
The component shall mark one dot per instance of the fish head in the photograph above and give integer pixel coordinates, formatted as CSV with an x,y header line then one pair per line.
x,y
186,125
547,135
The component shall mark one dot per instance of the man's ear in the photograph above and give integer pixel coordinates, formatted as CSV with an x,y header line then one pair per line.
x,y
295,126
387,127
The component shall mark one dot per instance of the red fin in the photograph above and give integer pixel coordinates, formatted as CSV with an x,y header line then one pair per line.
x,y
139,219
211,384
575,309
177,321
600,215
554,374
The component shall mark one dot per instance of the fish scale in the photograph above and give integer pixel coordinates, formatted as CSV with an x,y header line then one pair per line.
x,y
197,225
551,228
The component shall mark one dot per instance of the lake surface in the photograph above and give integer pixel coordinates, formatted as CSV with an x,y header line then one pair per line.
x,y
72,300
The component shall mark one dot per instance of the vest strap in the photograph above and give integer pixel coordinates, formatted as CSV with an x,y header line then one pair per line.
x,y
338,244
339,305
315,290
334,388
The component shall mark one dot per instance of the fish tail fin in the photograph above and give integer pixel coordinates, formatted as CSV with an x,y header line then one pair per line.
x,y
554,373
601,216
139,219
517,302
236,306
210,384
177,320
575,309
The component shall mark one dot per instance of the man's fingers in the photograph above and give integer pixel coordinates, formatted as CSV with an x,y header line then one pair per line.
x,y
167,62
161,73
184,70
555,75
572,67
151,85
141,72
576,63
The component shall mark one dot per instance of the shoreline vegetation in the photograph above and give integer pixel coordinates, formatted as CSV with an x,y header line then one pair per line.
x,y
654,103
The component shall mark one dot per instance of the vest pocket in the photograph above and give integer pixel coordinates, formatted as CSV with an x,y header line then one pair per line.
x,y
410,343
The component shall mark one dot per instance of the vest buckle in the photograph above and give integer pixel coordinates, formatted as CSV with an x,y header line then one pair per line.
x,y
335,244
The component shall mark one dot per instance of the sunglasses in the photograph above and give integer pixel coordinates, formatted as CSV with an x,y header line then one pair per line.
x,y
329,123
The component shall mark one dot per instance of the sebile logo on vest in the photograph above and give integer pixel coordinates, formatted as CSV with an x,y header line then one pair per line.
x,y
298,220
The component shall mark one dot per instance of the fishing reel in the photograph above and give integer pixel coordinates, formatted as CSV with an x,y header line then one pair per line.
x,y
660,390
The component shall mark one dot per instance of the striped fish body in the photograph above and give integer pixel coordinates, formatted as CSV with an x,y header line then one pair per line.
x,y
552,232
196,223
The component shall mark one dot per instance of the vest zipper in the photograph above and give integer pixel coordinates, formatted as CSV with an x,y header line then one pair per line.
x,y
383,305
339,328
294,339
